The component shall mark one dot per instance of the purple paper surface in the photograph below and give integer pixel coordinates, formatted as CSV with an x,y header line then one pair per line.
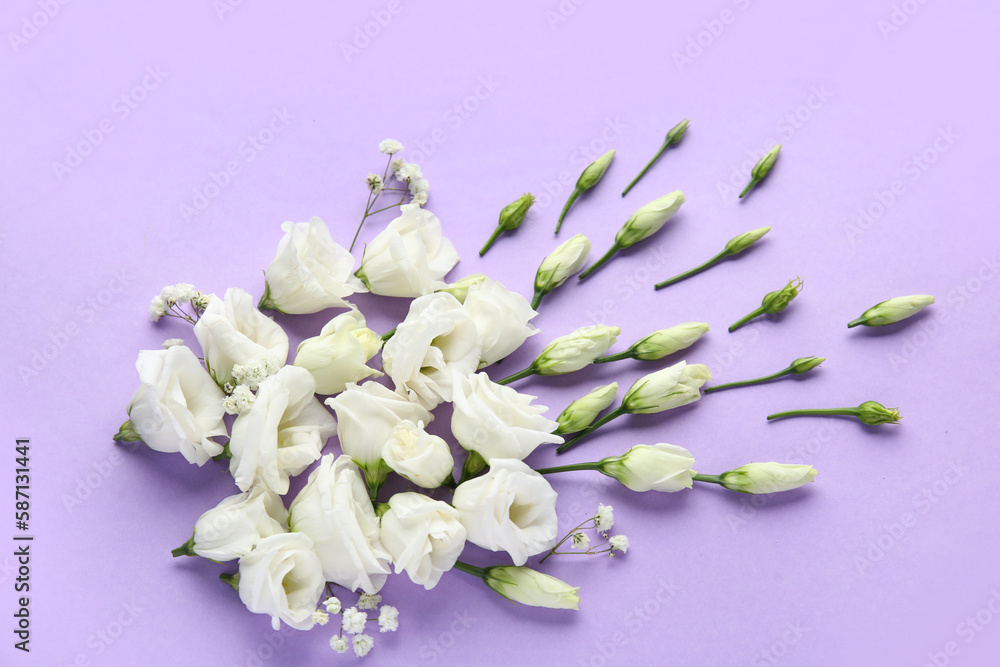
x,y
147,145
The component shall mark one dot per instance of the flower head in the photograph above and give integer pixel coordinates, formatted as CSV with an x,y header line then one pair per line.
x,y
561,263
776,301
669,388
806,364
582,412
532,588
595,171
768,477
648,219
362,644
874,413
338,644
739,243
575,350
320,617
665,342
604,519
388,619
332,605
893,310
659,467
369,601
513,213
353,621
580,541
389,146
618,543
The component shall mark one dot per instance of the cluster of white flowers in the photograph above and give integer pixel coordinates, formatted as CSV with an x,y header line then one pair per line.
x,y
336,530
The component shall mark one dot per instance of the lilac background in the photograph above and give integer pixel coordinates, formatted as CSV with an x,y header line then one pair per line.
x,y
500,100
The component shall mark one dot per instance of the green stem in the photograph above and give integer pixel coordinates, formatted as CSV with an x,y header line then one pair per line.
x,y
698,269
595,465
599,263
747,383
563,540
572,442
749,187
664,147
854,323
569,202
746,318
186,549
388,334
627,354
849,412
712,479
471,569
530,370
537,299
496,234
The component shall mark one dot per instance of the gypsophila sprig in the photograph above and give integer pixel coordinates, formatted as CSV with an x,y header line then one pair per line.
x,y
590,177
797,367
892,310
772,304
871,413
604,518
641,225
388,619
580,541
171,302
511,218
734,246
660,344
673,137
761,169
410,181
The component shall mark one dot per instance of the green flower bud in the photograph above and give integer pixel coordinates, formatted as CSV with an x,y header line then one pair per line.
x,y
575,350
776,301
676,133
665,342
893,310
767,477
806,364
513,214
761,169
738,244
532,588
660,467
460,288
595,171
874,413
563,262
649,219
127,433
582,412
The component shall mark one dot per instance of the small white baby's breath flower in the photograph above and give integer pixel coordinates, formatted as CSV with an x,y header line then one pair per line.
x,y
374,182
618,543
362,645
353,621
338,644
388,619
172,342
320,617
397,166
605,518
367,601
581,541
157,308
332,605
389,146
241,399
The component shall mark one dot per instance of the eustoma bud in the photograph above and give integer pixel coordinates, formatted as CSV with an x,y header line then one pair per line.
x,y
644,223
570,353
893,310
734,246
511,218
871,413
590,177
772,304
582,412
661,343
563,262
759,478
673,137
797,367
761,169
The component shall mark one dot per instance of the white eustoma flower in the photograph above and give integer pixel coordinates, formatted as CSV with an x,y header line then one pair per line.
x,y
582,412
417,455
502,318
530,587
668,388
334,510
283,432
437,339
424,537
665,342
659,467
410,257
649,219
177,408
893,310
282,578
231,529
768,477
339,354
511,507
231,331
497,421
575,350
310,272
367,415
559,265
